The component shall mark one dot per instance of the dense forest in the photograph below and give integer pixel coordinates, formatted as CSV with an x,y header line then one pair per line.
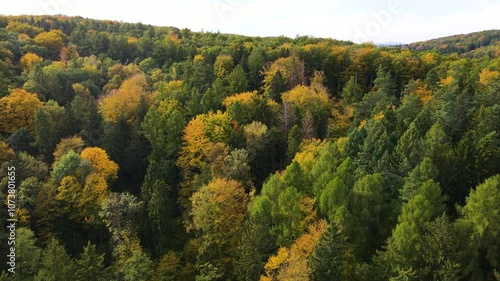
x,y
157,153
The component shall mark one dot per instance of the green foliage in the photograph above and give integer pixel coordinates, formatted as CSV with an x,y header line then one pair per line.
x,y
423,172
368,205
237,80
331,257
351,93
71,164
55,264
121,212
405,248
334,200
137,267
90,266
480,220
287,216
230,147
207,272
28,255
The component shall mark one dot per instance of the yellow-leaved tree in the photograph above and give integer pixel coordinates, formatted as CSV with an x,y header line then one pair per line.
x,y
292,263
53,40
29,60
82,181
204,148
74,143
218,212
105,170
124,101
6,153
18,111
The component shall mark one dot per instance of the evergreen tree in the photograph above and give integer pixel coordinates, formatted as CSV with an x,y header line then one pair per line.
x,y
351,93
277,86
237,80
90,266
480,225
332,257
56,264
294,140
137,267
404,248
27,254
45,134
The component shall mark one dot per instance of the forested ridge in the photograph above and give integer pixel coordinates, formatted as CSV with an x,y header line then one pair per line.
x,y
158,153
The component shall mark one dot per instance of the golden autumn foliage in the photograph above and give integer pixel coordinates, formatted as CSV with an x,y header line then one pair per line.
x,y
124,101
52,40
124,71
195,143
128,245
169,264
29,60
18,111
341,142
173,37
198,58
101,163
82,193
96,186
245,98
218,211
23,38
74,143
306,97
223,65
379,116
132,40
447,81
204,143
218,127
255,131
282,65
166,90
23,28
70,192
488,76
428,58
6,153
292,263
341,119
309,150
361,124
22,215
200,137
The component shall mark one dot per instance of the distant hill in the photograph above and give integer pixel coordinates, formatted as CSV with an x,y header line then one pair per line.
x,y
471,45
388,44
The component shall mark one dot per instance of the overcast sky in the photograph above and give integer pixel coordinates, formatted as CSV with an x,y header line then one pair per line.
x,y
380,21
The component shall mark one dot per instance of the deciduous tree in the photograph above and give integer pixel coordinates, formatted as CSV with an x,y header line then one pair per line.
x,y
18,111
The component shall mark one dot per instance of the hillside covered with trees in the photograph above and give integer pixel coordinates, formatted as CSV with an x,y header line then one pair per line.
x,y
158,153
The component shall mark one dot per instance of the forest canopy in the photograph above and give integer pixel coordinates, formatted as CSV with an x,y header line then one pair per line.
x,y
156,153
